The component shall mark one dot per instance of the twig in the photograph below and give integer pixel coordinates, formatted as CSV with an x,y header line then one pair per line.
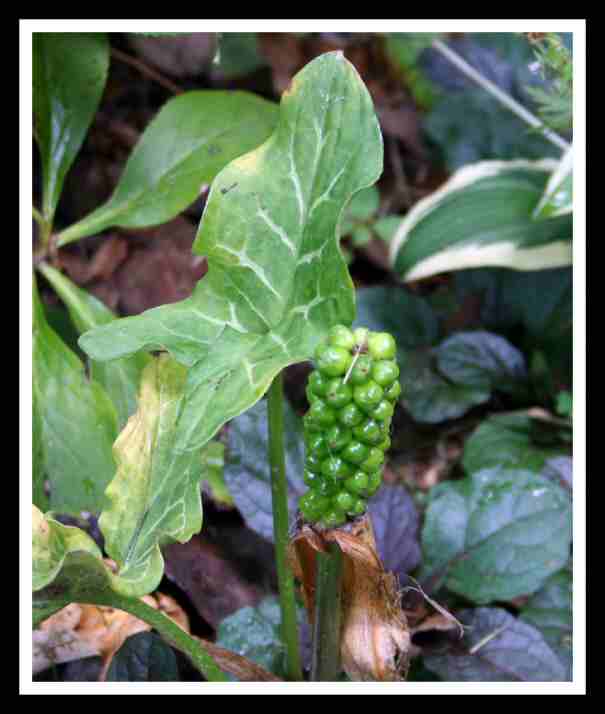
x,y
496,92
147,71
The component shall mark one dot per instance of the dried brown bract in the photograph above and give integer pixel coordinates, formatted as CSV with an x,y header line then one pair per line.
x,y
375,639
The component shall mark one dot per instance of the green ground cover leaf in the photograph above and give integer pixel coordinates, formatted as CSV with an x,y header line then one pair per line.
x,y
254,632
497,648
515,441
76,420
119,378
190,140
143,657
497,534
69,73
276,280
550,611
480,359
247,472
155,495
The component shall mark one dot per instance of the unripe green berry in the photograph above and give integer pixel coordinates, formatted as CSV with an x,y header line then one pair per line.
x,y
384,411
337,437
360,334
343,501
385,445
313,462
351,415
374,460
370,432
316,444
393,392
358,507
318,383
338,394
367,396
336,467
321,413
385,372
313,505
334,518
355,452
358,483
381,346
332,361
361,370
375,481
341,336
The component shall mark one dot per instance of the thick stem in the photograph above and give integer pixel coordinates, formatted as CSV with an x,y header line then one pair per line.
x,y
325,663
279,494
173,634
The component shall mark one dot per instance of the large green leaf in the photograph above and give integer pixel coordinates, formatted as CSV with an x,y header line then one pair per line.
x,y
155,495
482,216
497,647
120,378
515,441
496,534
276,280
190,140
69,73
77,422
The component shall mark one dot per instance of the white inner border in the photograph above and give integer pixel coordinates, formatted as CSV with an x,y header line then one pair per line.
x,y
578,28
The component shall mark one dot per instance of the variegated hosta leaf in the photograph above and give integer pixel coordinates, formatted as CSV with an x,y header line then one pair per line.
x,y
155,495
120,378
482,217
558,194
276,280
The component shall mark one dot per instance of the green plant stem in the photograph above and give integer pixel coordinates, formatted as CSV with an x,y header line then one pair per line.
x,y
173,634
496,92
38,216
279,497
325,663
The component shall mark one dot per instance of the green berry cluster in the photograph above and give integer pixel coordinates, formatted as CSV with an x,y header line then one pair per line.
x,y
352,394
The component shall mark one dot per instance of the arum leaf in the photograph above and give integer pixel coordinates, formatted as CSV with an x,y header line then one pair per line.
x,y
558,194
77,423
496,534
69,73
120,378
482,217
190,140
39,497
497,648
51,543
276,280
155,495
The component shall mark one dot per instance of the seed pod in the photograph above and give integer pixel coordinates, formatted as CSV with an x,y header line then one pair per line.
x,y
351,396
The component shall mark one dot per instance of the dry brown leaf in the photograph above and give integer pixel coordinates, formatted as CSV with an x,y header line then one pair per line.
x,y
375,639
79,631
